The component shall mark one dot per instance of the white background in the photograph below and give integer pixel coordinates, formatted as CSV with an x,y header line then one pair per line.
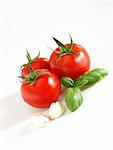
x,y
32,24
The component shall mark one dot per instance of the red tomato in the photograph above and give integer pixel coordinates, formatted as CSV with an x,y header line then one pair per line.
x,y
36,63
39,63
70,60
45,90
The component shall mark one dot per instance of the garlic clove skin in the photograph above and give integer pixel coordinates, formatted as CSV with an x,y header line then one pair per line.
x,y
56,110
39,120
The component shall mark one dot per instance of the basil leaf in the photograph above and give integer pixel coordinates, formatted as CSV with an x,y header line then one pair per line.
x,y
67,82
91,78
73,98
80,83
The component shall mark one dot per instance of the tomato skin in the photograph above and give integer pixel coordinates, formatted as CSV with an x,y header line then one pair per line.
x,y
45,91
39,63
71,65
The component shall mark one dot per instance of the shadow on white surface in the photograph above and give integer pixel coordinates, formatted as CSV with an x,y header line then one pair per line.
x,y
13,111
15,114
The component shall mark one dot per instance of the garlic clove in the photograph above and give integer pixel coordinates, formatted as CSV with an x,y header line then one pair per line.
x,y
39,120
56,110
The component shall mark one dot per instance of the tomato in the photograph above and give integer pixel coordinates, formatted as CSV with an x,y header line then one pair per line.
x,y
40,88
70,60
36,63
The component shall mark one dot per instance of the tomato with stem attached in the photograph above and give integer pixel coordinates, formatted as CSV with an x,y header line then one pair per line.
x,y
35,63
69,60
40,88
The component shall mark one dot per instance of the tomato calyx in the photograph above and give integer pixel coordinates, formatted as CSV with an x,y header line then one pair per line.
x,y
64,50
30,60
32,77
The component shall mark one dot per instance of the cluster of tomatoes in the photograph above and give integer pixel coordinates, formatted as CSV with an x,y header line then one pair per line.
x,y
41,84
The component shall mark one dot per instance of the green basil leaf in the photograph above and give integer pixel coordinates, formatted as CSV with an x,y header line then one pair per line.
x,y
67,82
73,98
80,83
91,78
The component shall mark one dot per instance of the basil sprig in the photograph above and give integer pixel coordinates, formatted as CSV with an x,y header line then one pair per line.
x,y
86,80
73,98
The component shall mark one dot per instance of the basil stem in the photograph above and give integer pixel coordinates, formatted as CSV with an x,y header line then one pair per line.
x,y
73,98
